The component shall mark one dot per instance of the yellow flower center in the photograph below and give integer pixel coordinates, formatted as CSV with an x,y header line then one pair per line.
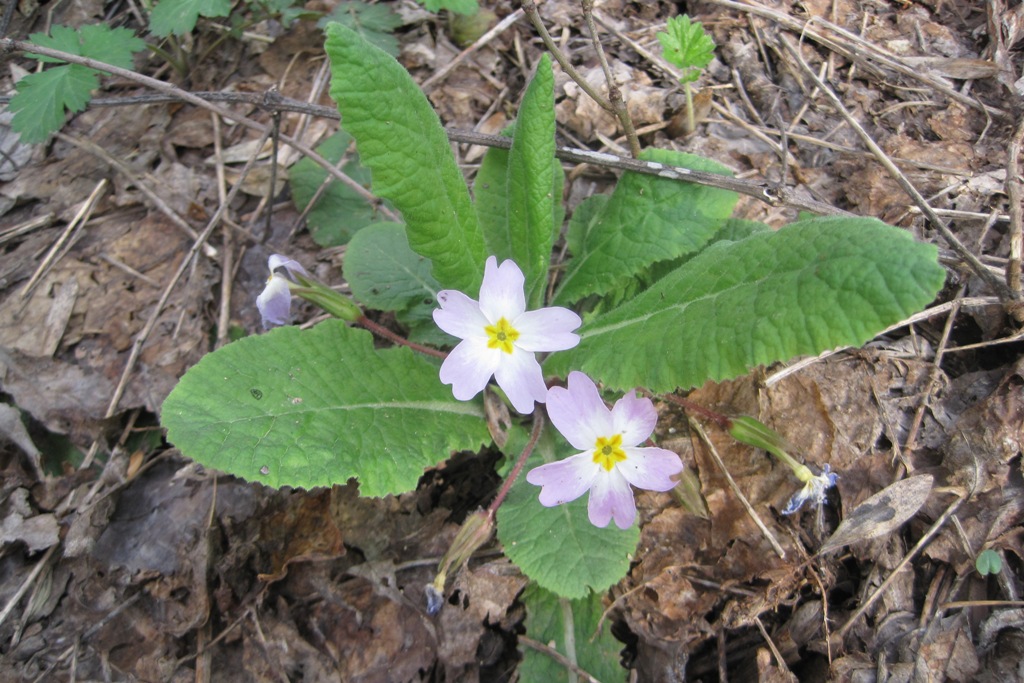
x,y
608,451
501,336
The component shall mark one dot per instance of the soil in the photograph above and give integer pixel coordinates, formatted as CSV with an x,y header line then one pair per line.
x,y
122,560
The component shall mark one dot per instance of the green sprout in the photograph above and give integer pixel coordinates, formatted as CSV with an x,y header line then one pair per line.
x,y
688,46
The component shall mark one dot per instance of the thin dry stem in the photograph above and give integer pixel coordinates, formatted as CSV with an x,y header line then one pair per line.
x,y
480,42
878,592
7,45
751,512
975,264
614,93
1015,193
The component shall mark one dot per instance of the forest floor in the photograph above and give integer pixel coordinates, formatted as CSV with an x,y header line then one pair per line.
x,y
120,559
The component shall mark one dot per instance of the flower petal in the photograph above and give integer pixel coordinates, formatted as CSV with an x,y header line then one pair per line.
x,y
650,468
501,293
564,480
611,498
275,302
459,315
634,418
578,412
468,368
547,329
520,376
291,266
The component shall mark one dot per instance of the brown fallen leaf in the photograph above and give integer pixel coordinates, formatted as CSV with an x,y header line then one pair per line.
x,y
882,513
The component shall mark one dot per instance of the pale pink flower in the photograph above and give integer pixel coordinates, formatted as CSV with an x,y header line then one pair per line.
x,y
611,459
501,338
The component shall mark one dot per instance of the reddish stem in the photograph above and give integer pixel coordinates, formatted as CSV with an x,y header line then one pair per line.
x,y
538,425
721,420
384,332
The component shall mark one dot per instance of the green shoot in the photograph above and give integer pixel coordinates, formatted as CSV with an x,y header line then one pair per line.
x,y
43,97
690,48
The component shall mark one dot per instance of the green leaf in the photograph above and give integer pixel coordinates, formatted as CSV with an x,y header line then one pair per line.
x,y
43,98
457,6
385,273
811,286
571,627
988,562
316,407
113,46
518,203
647,219
375,23
558,547
687,46
96,41
180,16
403,143
339,211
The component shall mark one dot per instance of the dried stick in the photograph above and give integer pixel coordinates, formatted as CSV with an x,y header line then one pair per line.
x,y
859,53
1016,210
480,42
776,546
976,265
530,7
614,94
878,592
557,656
7,45
141,338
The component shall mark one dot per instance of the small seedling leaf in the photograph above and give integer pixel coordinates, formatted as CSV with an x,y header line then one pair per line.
x,y
688,46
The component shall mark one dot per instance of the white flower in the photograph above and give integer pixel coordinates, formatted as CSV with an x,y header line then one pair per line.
x,y
500,337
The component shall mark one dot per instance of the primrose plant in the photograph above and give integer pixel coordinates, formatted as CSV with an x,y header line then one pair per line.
x,y
662,291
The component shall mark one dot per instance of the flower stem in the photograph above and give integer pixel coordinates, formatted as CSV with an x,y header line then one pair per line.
x,y
538,426
384,332
718,418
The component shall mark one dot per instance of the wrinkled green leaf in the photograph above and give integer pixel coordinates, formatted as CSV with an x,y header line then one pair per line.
x,y
571,627
403,143
517,204
316,407
385,273
811,286
647,219
340,211
180,16
558,547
